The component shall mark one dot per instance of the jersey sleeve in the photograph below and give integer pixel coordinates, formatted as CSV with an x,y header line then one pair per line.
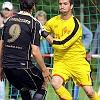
x,y
66,41
36,34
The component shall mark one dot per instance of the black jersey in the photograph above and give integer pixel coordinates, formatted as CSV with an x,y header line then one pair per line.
x,y
19,33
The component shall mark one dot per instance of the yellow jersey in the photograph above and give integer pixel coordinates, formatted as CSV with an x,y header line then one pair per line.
x,y
68,38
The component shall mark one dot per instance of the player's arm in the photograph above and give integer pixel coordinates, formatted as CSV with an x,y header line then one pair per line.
x,y
38,57
65,41
1,50
1,47
36,52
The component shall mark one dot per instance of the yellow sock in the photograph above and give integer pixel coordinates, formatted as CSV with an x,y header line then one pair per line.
x,y
63,93
96,97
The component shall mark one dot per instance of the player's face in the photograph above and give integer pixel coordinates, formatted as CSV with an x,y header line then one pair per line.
x,y
64,6
7,13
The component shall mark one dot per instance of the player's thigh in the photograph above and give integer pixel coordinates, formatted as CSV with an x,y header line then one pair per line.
x,y
37,77
83,78
61,69
33,78
25,78
11,78
81,73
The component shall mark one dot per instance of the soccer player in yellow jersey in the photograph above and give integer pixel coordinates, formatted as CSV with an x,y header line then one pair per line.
x,y
69,52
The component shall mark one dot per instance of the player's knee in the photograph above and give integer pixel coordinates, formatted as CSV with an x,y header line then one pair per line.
x,y
56,84
90,93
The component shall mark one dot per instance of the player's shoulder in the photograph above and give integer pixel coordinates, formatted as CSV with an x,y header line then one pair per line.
x,y
25,15
75,18
55,17
21,15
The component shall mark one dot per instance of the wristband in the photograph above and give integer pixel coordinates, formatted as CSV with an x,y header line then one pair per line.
x,y
44,34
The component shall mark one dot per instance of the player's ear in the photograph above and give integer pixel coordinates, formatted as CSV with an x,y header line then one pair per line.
x,y
34,7
72,6
32,10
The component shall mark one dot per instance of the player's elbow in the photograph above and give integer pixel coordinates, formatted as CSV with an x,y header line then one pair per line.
x,y
35,51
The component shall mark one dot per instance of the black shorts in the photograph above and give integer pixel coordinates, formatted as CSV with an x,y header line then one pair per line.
x,y
25,78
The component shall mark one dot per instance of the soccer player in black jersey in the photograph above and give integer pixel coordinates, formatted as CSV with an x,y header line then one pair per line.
x,y
19,39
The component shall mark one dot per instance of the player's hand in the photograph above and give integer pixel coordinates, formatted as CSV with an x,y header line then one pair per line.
x,y
88,56
2,75
46,75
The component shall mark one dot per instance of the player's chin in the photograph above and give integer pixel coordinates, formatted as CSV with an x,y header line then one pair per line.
x,y
63,12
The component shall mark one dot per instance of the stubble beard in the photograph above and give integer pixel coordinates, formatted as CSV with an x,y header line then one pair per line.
x,y
64,13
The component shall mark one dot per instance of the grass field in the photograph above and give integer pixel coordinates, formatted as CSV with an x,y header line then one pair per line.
x,y
51,95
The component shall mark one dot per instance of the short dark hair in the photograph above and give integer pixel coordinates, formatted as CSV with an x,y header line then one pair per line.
x,y
26,5
71,1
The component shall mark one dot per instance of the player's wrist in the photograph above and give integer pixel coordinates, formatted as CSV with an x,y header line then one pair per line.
x,y
44,70
44,34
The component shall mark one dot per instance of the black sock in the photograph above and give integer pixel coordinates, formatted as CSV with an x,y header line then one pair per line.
x,y
40,94
26,95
